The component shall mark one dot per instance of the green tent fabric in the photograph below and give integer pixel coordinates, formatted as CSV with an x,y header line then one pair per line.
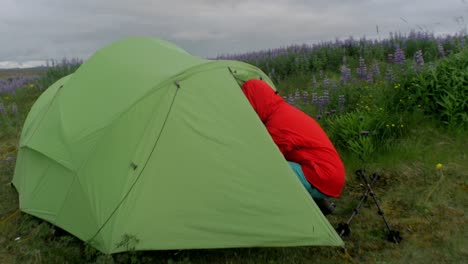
x,y
145,141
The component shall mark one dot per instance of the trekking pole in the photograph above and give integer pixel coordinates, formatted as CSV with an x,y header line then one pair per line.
x,y
393,235
343,228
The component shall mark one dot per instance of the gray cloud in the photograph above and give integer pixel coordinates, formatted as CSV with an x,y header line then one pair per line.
x,y
32,30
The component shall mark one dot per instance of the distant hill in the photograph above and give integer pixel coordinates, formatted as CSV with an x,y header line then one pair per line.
x,y
5,73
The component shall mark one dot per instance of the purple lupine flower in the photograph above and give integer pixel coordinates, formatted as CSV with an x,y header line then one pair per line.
x,y
325,98
11,84
290,99
297,95
2,109
376,69
341,102
399,56
345,74
314,98
419,59
440,47
320,104
305,96
362,70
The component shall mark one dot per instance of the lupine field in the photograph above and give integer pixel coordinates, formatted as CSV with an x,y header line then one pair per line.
x,y
396,106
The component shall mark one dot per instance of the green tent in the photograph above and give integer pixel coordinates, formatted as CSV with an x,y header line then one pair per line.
x,y
145,141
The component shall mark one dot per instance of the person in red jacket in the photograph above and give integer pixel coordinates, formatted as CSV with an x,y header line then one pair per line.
x,y
302,141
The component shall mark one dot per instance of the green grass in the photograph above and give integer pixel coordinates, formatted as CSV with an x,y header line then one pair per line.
x,y
425,204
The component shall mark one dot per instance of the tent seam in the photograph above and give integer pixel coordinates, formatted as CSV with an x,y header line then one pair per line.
x,y
141,172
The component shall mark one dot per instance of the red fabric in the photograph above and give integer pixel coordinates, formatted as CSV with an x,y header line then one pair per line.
x,y
299,137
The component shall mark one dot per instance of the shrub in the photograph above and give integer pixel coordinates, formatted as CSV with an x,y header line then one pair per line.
x,y
441,90
364,133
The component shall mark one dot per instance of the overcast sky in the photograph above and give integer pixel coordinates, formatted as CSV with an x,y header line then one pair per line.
x,y
32,31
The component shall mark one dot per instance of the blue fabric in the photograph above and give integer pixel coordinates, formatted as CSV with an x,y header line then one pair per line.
x,y
300,174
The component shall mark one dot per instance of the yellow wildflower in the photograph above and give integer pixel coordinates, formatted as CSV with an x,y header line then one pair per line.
x,y
439,166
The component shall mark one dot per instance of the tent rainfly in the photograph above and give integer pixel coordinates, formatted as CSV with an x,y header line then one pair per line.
x,y
149,142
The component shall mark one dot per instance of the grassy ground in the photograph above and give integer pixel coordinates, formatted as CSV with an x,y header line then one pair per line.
x,y
425,204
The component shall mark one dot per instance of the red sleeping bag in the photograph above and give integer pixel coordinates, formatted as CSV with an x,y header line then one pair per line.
x,y
299,137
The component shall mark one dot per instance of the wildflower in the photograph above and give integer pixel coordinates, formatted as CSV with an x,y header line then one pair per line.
x,y
290,99
321,103
362,70
305,96
419,60
399,56
439,166
297,95
326,98
314,98
393,125
345,74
